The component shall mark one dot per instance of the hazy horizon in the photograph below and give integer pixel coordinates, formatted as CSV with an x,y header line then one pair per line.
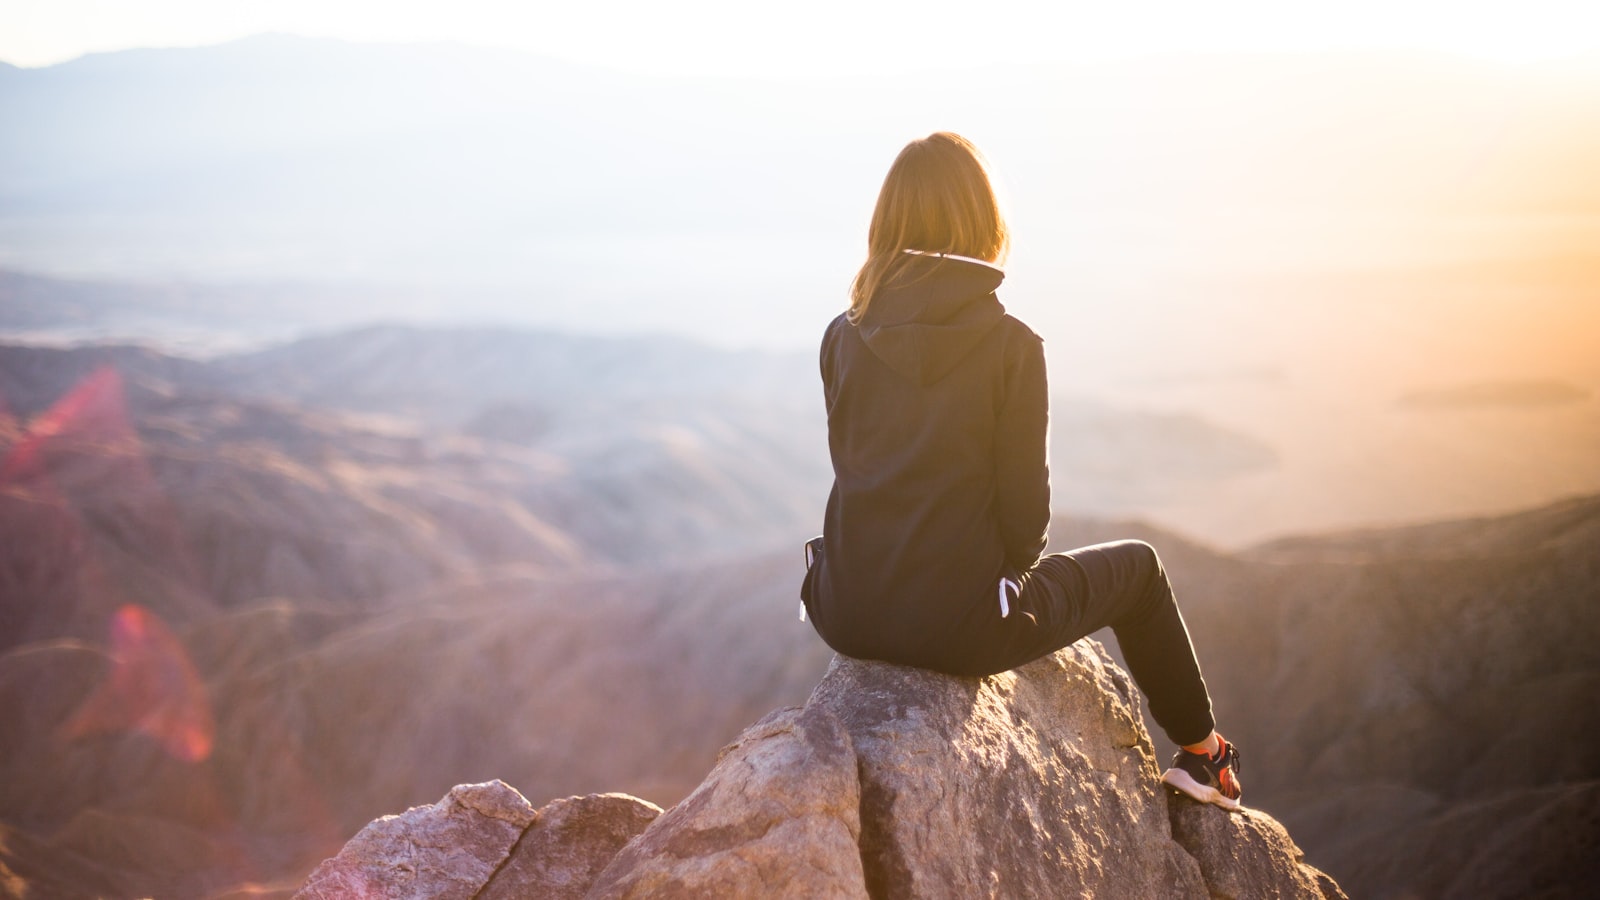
x,y
496,185
1284,245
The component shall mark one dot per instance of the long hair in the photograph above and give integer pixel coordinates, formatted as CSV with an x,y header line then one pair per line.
x,y
936,199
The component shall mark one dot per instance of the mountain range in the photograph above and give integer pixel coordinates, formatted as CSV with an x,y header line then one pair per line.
x,y
254,601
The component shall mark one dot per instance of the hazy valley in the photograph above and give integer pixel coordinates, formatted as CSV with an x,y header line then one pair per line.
x,y
392,560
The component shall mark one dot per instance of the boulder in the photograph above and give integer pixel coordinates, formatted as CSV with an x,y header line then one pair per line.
x,y
775,818
889,782
1246,854
483,841
1037,782
447,850
566,846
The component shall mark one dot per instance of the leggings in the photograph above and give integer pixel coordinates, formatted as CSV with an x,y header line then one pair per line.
x,y
1069,595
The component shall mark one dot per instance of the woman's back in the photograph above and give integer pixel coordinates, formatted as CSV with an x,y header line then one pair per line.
x,y
936,418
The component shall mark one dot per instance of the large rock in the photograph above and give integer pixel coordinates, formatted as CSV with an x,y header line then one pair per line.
x,y
1246,854
899,782
447,850
566,846
1038,782
483,840
777,817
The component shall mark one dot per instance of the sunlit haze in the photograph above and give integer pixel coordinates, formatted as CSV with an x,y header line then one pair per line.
x,y
732,37
1290,221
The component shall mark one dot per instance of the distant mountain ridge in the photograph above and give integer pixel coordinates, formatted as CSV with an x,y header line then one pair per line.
x,y
436,374
678,417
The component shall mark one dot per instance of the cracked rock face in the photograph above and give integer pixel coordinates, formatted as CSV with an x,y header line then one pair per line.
x,y
482,840
776,817
1246,854
1038,782
567,845
890,782
447,850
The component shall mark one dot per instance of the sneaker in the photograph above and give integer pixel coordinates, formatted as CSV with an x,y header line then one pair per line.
x,y
1209,779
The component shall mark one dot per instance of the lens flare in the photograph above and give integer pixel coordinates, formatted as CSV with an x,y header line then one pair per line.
x,y
92,412
152,689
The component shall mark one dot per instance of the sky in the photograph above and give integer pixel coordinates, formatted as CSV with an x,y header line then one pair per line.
x,y
743,38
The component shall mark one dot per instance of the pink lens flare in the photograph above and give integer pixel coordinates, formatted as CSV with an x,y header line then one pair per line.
x,y
97,549
152,688
82,461
94,411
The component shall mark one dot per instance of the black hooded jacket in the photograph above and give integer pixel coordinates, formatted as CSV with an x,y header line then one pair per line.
x,y
937,421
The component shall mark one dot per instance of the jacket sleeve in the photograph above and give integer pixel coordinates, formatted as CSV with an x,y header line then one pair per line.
x,y
827,361
1022,468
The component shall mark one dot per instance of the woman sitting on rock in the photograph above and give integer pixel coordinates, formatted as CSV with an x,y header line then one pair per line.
x,y
932,544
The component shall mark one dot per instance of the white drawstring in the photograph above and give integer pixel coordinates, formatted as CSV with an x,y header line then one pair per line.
x,y
1005,602
811,557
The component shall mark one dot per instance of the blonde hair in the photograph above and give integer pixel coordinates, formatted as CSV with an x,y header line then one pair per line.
x,y
936,199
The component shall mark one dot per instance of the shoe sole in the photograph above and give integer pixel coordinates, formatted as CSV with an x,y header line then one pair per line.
x,y
1183,781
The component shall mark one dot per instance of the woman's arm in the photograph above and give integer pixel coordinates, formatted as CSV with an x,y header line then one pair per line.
x,y
1022,468
826,361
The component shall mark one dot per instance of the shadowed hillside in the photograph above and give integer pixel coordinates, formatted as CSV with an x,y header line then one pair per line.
x,y
1443,680
325,721
1414,703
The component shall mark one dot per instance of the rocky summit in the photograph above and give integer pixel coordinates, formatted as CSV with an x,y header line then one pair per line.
x,y
889,782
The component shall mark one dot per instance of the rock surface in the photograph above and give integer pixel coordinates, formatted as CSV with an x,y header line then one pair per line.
x,y
483,840
1246,854
890,782
567,845
447,850
1038,782
777,817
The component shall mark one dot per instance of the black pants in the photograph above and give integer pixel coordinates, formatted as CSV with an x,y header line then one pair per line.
x,y
1069,595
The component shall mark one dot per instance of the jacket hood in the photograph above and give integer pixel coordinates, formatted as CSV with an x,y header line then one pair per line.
x,y
931,314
